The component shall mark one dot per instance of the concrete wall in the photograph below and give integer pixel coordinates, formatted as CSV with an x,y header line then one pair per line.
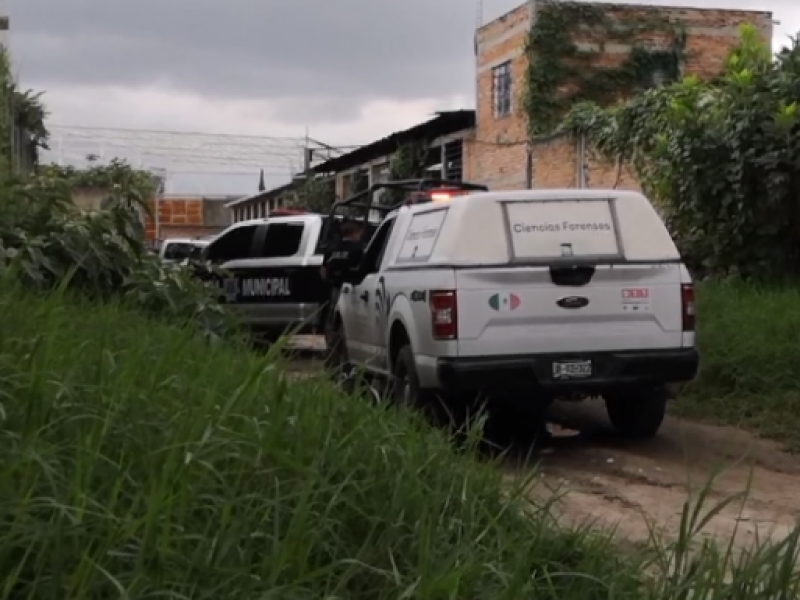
x,y
89,198
215,213
498,154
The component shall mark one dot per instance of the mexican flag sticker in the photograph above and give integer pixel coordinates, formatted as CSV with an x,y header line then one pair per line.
x,y
504,302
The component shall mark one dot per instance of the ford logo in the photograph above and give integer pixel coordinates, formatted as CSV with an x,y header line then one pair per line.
x,y
573,302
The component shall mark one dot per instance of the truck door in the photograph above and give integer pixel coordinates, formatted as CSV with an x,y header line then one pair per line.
x,y
371,300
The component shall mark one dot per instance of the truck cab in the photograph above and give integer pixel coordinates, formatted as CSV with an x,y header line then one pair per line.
x,y
534,294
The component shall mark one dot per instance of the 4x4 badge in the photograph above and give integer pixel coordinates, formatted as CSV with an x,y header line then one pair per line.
x,y
504,302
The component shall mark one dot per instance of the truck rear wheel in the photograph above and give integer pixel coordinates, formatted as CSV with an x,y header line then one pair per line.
x,y
406,391
638,415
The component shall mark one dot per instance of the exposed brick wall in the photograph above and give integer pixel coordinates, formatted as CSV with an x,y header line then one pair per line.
x,y
554,163
498,155
184,212
499,151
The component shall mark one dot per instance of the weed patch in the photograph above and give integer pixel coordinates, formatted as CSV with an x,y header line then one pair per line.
x,y
749,339
141,460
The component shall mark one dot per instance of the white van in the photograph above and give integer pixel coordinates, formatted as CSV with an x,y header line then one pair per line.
x,y
541,294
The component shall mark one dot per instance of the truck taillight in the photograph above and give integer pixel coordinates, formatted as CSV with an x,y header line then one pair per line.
x,y
688,306
444,314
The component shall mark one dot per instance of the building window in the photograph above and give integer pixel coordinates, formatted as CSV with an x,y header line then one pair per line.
x,y
501,89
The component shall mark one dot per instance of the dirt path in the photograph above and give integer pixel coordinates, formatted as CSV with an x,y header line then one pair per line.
x,y
631,485
628,485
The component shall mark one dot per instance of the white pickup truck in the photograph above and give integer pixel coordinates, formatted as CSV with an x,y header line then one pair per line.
x,y
540,295
174,250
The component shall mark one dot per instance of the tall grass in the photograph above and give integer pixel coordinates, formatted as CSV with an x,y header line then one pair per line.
x,y
749,338
138,460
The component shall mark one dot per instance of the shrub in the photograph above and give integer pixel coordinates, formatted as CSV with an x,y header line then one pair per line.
x,y
721,157
48,243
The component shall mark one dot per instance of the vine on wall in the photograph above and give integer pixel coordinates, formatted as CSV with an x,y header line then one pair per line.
x,y
561,73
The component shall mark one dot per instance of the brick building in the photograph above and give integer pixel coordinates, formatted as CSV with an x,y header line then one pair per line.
x,y
499,154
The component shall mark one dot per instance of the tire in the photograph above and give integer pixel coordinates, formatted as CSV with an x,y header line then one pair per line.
x,y
638,415
404,389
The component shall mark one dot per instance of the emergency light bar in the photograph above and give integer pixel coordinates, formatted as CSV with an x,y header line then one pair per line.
x,y
435,195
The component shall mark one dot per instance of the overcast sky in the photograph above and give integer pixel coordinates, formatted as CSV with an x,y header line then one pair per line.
x,y
349,70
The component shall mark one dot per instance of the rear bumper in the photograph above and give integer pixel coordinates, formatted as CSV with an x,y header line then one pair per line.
x,y
611,370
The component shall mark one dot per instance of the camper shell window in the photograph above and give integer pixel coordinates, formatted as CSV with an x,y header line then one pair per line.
x,y
420,239
563,230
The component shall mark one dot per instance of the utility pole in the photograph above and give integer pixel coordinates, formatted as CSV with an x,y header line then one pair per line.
x,y
307,154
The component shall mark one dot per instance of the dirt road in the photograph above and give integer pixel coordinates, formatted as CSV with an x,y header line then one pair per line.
x,y
629,485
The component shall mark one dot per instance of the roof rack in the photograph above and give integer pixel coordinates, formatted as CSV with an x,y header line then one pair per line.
x,y
365,200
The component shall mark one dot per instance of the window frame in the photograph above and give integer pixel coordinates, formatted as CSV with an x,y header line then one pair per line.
x,y
502,89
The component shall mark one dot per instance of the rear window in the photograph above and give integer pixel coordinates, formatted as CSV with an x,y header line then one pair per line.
x,y
562,229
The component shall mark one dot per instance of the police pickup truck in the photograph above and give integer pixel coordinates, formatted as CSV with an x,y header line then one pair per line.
x,y
532,295
268,271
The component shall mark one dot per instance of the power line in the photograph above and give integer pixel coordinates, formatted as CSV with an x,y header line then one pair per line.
x,y
117,130
182,150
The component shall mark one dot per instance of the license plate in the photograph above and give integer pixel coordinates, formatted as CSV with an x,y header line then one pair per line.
x,y
573,369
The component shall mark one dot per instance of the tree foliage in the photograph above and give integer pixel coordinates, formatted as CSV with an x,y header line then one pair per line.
x,y
314,194
407,162
721,157
22,113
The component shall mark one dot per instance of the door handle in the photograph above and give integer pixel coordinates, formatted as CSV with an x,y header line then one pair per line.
x,y
364,296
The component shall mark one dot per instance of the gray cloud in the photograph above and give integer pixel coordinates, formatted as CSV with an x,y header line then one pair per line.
x,y
315,61
314,57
